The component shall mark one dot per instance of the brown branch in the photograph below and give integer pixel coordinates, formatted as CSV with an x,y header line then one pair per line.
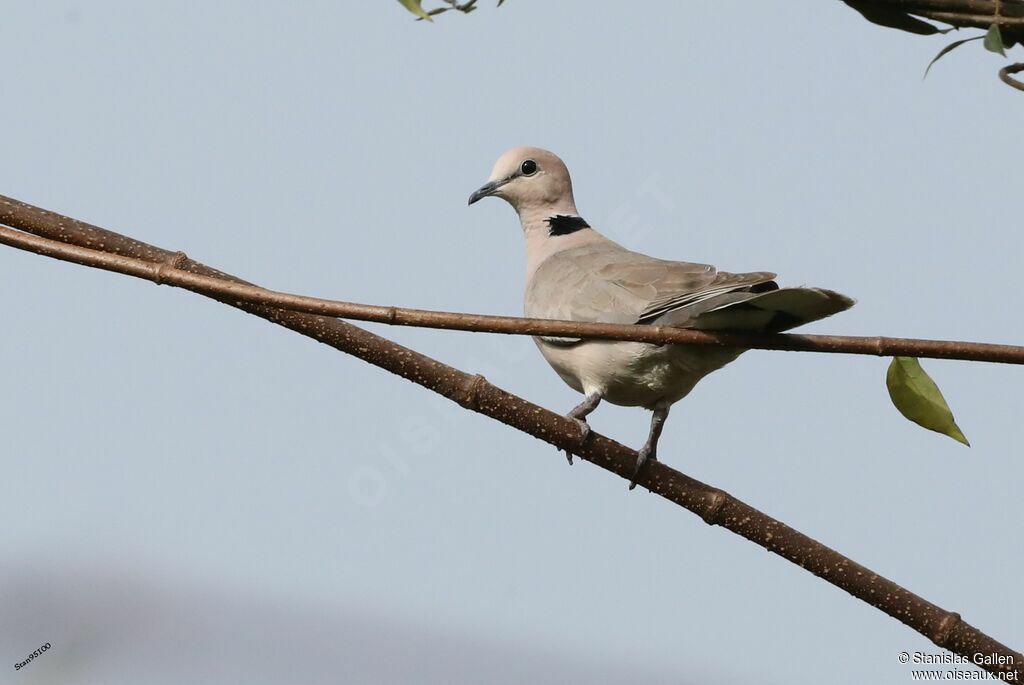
x,y
1004,75
237,292
1009,14
946,629
906,15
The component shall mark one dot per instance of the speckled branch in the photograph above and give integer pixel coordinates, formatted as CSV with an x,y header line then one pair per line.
x,y
946,629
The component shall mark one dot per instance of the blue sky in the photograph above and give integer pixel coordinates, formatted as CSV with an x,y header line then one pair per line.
x,y
193,493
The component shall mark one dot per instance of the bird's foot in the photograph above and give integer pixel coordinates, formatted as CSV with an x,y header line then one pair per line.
x,y
646,453
584,434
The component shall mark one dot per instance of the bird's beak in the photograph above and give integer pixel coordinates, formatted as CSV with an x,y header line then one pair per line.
x,y
487,189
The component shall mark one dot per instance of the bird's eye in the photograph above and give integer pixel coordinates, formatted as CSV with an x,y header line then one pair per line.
x,y
529,167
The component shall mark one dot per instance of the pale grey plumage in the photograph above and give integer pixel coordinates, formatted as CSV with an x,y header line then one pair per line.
x,y
577,274
606,283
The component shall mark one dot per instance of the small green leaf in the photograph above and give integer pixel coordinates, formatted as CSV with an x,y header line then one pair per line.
x,y
916,396
416,7
944,51
994,40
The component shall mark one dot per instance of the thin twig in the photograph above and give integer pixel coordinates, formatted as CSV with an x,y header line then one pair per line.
x,y
1004,75
946,629
399,316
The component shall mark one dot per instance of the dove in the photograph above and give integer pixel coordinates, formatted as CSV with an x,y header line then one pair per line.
x,y
575,273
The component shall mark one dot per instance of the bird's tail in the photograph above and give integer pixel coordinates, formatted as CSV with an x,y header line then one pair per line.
x,y
772,311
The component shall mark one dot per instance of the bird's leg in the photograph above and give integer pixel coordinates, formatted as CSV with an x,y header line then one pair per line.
x,y
650,448
579,415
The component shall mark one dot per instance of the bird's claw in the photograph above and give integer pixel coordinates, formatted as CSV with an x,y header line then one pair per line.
x,y
584,434
642,457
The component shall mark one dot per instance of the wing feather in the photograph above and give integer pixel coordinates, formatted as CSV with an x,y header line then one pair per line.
x,y
608,284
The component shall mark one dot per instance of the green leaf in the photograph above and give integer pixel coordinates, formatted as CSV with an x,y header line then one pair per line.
x,y
949,48
416,7
994,40
918,398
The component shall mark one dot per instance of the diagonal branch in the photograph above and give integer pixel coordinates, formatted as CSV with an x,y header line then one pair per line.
x,y
946,629
219,288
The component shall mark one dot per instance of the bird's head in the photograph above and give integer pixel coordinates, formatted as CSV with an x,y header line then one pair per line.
x,y
529,178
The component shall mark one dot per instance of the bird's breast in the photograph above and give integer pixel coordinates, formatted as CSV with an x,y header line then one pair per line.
x,y
633,374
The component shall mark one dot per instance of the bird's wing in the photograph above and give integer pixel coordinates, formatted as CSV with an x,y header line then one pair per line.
x,y
720,290
608,284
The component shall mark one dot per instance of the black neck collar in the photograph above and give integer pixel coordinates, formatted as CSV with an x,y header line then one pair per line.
x,y
561,224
